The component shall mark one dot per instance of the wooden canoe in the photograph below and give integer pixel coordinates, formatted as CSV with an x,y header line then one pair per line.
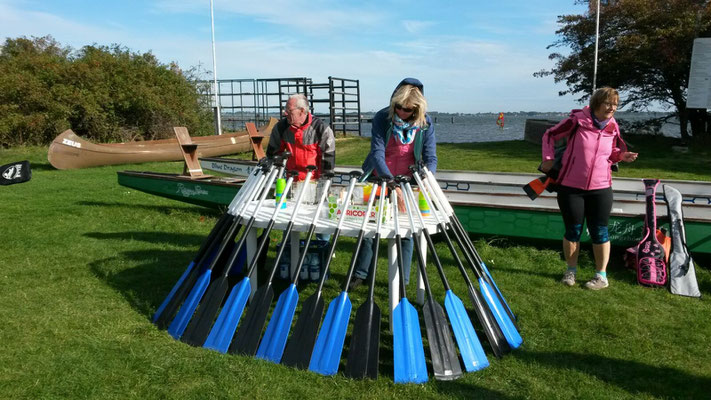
x,y
69,151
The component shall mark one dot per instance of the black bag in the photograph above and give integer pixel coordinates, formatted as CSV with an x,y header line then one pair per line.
x,y
16,172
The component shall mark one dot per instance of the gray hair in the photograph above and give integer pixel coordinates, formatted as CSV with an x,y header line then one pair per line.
x,y
300,101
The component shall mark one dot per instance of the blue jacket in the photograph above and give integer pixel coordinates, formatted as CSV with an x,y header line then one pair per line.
x,y
425,142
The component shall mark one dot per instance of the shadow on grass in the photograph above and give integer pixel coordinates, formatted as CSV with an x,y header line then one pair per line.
x,y
634,377
155,208
42,167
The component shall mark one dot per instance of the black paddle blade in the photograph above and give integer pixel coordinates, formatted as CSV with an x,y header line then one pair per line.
x,y
364,351
301,344
445,361
172,307
493,333
198,329
246,339
534,188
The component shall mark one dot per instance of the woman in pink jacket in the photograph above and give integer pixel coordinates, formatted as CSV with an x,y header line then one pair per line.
x,y
584,183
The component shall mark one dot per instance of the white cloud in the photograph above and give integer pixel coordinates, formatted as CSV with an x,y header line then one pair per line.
x,y
417,27
317,16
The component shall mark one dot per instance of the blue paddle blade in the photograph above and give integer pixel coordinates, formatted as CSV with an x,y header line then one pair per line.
x,y
329,344
502,318
469,345
225,326
501,296
172,291
177,327
408,353
272,346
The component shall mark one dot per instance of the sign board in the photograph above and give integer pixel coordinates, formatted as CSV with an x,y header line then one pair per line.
x,y
699,93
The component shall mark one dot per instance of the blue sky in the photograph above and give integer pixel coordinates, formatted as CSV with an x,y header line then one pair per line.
x,y
472,56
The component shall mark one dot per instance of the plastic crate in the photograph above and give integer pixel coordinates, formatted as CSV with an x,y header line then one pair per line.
x,y
314,264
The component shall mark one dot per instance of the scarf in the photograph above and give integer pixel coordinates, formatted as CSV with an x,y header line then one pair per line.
x,y
404,131
599,124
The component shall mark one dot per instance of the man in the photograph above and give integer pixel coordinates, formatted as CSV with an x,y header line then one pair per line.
x,y
309,140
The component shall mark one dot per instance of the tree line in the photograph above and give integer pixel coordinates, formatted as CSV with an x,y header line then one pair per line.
x,y
103,93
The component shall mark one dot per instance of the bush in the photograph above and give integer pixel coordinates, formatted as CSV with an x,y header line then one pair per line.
x,y
104,93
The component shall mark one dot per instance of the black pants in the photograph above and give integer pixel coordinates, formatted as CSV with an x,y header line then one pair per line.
x,y
578,205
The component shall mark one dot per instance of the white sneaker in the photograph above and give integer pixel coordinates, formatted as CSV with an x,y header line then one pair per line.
x,y
568,278
597,283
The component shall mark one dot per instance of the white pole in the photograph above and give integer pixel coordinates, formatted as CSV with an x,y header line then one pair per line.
x,y
597,38
214,71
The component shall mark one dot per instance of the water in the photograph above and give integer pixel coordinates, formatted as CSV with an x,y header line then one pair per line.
x,y
482,127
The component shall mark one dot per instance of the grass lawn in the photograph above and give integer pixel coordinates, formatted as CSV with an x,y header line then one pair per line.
x,y
86,262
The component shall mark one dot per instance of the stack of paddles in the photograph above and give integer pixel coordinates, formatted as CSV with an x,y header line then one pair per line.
x,y
199,311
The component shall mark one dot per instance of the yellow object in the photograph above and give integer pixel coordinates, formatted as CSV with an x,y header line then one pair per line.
x,y
424,207
367,190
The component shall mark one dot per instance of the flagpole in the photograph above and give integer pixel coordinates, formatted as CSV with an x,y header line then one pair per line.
x,y
597,38
218,117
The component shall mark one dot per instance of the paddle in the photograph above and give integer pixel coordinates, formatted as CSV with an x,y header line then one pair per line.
x,y
469,346
216,231
182,292
301,344
466,241
408,352
180,323
500,312
443,354
329,344
247,337
199,327
534,188
485,316
363,354
224,328
272,346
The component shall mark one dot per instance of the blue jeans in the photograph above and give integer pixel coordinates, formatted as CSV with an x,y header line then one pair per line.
x,y
365,258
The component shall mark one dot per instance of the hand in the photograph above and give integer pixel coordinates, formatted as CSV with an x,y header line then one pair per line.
x,y
400,201
628,156
546,165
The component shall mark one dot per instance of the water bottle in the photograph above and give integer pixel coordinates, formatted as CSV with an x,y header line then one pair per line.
x,y
304,274
314,268
279,191
424,207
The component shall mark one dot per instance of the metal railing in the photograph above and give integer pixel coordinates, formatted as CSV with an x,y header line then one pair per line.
x,y
257,100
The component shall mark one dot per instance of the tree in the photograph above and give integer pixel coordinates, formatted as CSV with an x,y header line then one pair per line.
x,y
644,51
105,93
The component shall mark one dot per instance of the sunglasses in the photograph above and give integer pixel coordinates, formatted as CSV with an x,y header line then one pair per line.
x,y
401,108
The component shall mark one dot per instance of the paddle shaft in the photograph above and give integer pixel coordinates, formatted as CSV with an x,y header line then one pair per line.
x,y
359,243
310,233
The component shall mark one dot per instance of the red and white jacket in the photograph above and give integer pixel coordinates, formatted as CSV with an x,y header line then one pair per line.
x,y
590,151
312,143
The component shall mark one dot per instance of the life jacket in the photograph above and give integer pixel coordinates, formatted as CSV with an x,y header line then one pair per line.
x,y
305,149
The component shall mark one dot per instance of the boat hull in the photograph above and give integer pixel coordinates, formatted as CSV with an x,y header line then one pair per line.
x,y
214,193
480,213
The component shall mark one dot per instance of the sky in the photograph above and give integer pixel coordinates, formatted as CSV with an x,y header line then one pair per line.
x,y
472,56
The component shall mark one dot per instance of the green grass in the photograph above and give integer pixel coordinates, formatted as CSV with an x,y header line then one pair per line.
x,y
85,263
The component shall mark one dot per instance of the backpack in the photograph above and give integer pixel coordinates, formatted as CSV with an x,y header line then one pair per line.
x,y
16,172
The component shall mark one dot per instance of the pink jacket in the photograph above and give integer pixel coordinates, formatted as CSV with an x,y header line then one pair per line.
x,y
590,151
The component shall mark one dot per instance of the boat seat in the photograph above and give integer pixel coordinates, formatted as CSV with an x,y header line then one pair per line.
x,y
192,168
255,139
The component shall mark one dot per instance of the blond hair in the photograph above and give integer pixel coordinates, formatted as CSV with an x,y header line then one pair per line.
x,y
408,96
602,95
